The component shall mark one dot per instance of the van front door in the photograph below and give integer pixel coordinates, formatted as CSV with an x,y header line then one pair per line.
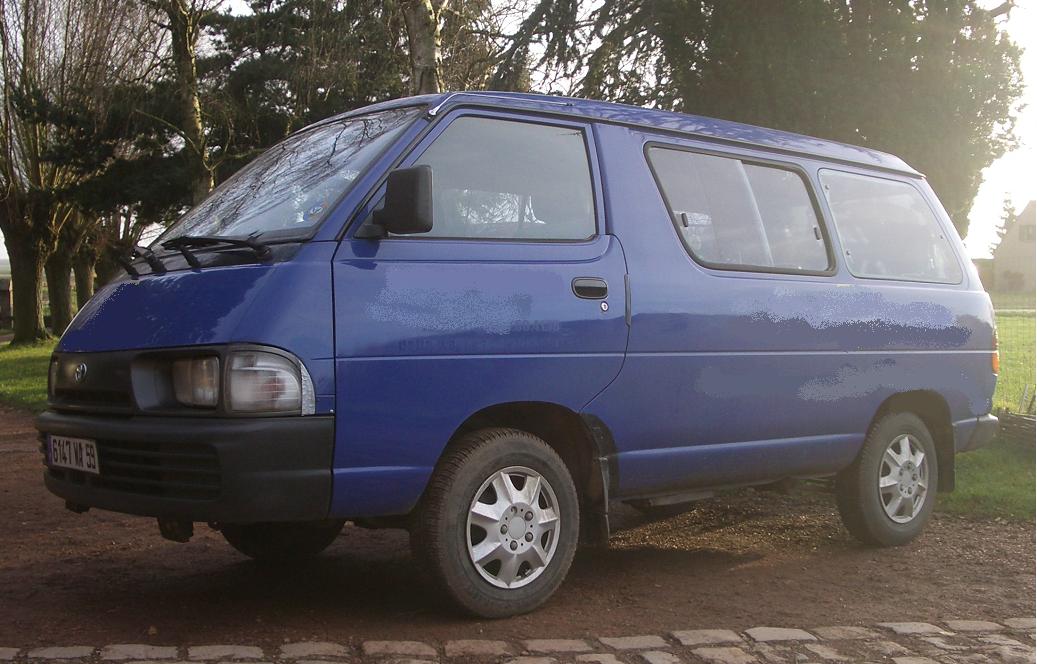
x,y
516,295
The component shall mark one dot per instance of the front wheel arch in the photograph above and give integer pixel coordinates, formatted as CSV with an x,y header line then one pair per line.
x,y
583,442
440,527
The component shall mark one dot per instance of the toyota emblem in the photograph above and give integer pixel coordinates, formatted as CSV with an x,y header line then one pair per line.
x,y
80,373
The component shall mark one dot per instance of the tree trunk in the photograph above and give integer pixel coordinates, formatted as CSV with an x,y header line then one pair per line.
x,y
107,269
423,39
83,268
27,258
184,30
58,269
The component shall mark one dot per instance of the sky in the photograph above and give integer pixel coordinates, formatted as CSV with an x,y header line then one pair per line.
x,y
1013,176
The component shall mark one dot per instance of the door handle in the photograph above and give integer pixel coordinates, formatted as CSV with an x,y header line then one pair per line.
x,y
590,288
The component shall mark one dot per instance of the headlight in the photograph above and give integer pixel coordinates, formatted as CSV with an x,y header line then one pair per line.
x,y
196,381
259,382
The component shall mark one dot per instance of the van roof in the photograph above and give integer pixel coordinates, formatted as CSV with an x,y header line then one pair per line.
x,y
710,128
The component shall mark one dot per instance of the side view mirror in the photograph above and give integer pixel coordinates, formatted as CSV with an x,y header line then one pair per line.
x,y
408,204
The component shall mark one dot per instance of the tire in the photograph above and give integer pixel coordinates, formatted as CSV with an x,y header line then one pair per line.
x,y
465,508
870,511
281,542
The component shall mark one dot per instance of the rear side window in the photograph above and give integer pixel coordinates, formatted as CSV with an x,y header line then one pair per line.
x,y
502,179
738,214
887,230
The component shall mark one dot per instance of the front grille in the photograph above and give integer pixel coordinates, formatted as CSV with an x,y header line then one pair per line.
x,y
108,398
92,382
186,471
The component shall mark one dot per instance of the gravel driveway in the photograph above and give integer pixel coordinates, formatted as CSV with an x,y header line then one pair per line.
x,y
733,563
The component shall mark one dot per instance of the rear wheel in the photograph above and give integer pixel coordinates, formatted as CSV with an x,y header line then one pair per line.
x,y
498,526
281,542
886,497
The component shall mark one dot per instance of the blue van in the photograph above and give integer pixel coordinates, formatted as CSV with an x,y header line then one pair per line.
x,y
485,317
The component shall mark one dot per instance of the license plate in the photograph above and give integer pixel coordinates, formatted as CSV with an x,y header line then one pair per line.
x,y
74,453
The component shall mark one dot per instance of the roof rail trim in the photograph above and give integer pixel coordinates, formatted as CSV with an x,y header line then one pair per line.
x,y
511,99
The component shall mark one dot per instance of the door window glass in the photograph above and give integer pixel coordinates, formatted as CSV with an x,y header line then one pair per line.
x,y
501,179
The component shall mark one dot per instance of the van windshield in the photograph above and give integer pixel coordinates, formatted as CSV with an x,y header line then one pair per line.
x,y
291,187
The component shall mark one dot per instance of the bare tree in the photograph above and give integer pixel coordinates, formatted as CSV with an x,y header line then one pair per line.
x,y
111,42
57,58
424,38
184,19
30,61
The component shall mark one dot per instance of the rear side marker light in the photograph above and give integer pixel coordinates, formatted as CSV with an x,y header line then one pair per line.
x,y
995,357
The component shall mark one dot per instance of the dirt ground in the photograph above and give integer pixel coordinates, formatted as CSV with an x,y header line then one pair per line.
x,y
751,558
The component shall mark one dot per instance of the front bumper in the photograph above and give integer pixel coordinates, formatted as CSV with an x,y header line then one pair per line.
x,y
238,470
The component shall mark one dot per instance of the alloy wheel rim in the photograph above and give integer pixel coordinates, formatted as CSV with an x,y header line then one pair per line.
x,y
903,478
513,522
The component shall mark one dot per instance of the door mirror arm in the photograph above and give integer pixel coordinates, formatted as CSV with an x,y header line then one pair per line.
x,y
371,231
408,205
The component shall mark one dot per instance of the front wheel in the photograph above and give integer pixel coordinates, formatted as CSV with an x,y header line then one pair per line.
x,y
886,497
281,542
498,526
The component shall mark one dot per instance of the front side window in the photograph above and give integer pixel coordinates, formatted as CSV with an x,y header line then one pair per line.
x,y
503,179
293,185
738,214
887,230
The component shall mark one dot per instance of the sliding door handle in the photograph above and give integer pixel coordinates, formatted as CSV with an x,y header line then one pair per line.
x,y
590,288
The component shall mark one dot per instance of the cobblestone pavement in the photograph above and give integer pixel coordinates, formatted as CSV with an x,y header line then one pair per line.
x,y
951,642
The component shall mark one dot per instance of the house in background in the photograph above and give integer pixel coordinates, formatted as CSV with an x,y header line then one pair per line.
x,y
1015,257
985,268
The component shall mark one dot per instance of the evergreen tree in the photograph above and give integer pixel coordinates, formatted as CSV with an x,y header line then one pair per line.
x,y
935,82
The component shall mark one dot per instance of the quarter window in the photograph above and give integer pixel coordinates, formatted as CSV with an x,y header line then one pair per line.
x,y
887,230
502,179
732,213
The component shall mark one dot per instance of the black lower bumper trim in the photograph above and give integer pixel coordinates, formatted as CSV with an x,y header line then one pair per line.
x,y
200,469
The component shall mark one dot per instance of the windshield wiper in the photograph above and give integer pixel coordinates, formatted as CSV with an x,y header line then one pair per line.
x,y
127,265
191,259
153,261
185,243
157,266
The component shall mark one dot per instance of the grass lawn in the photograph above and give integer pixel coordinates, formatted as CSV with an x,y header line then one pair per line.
x,y
23,374
994,481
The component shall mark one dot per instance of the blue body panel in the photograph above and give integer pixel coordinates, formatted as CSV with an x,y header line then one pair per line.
x,y
287,305
703,377
757,376
430,332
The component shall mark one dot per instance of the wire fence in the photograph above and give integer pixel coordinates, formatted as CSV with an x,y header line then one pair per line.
x,y
1015,384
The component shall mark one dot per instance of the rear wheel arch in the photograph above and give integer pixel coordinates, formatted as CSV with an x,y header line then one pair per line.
x,y
932,409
